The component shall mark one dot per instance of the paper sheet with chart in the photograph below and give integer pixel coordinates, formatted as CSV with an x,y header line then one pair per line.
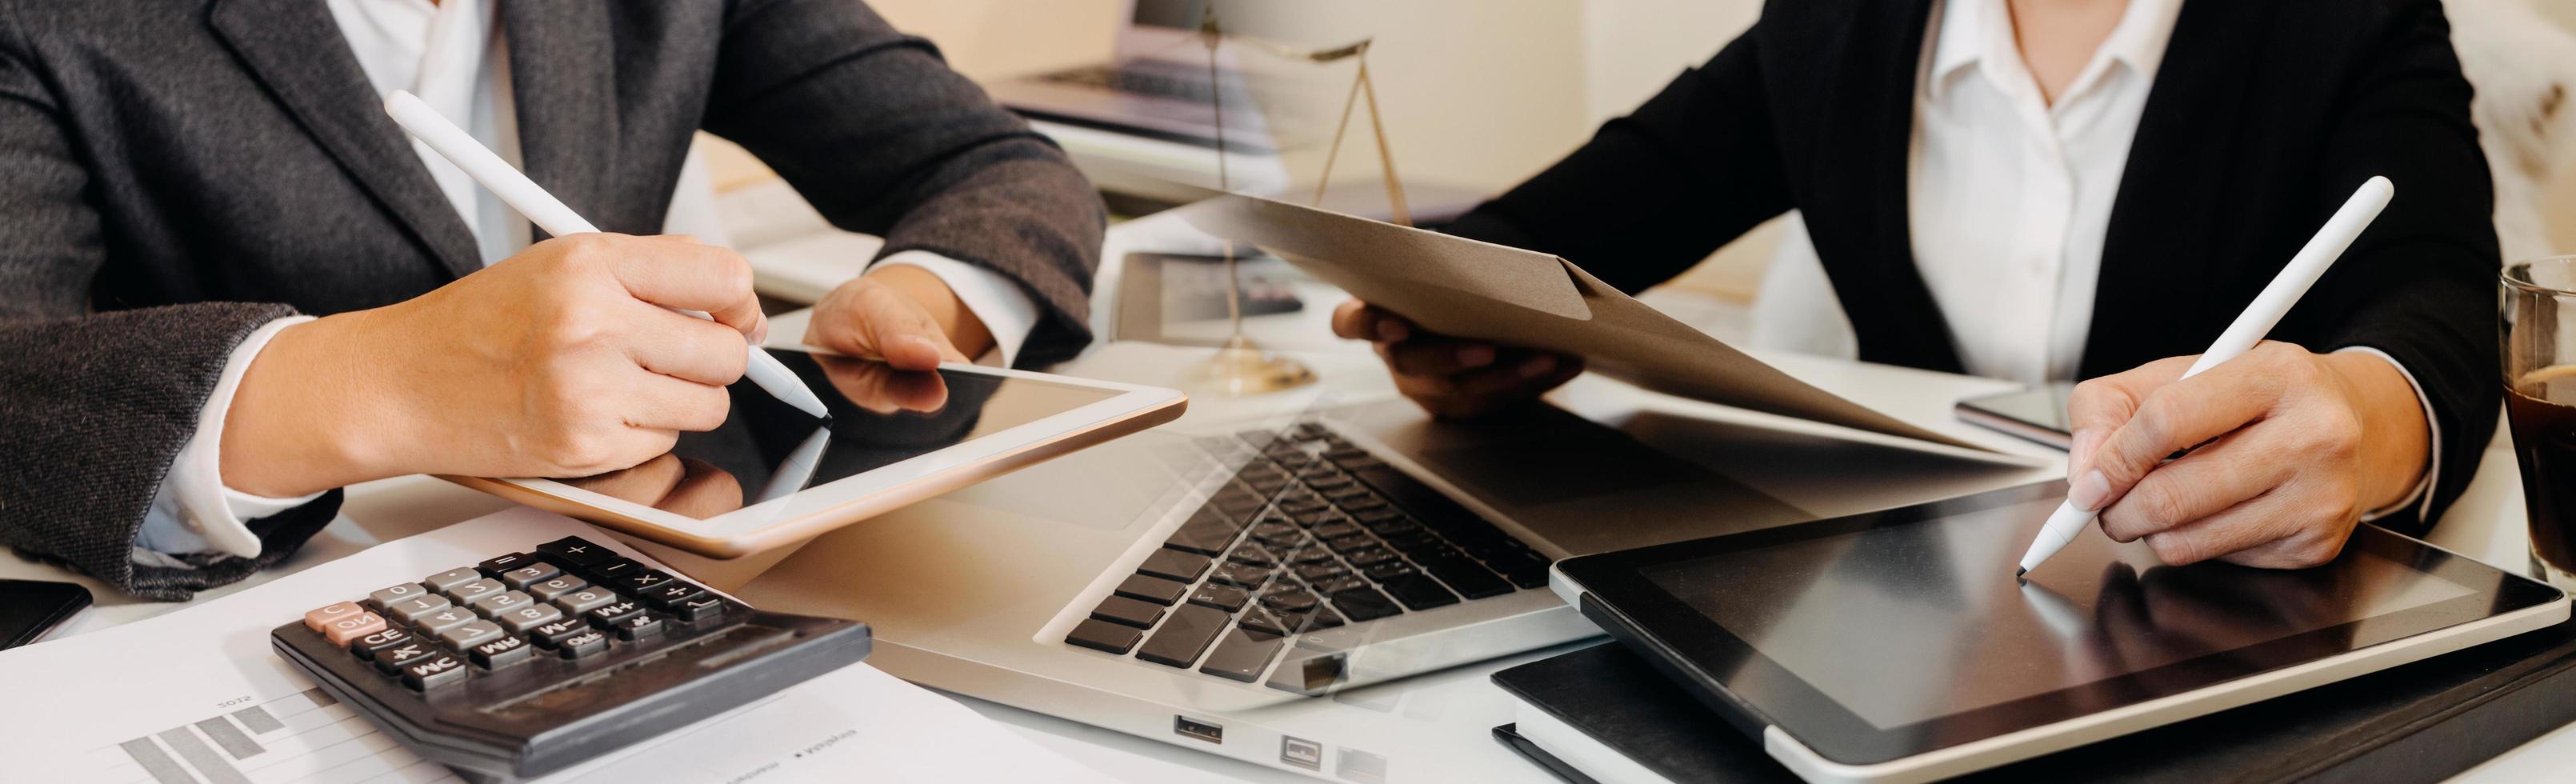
x,y
198,696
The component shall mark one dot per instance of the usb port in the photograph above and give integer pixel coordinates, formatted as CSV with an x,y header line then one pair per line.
x,y
1206,731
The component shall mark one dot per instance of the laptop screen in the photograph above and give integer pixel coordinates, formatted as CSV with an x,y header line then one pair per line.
x,y
1179,14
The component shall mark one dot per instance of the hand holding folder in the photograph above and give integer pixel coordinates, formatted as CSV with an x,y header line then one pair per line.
x,y
1482,291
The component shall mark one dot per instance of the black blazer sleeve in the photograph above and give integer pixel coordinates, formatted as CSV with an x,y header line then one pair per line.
x,y
93,407
1658,190
930,162
2420,284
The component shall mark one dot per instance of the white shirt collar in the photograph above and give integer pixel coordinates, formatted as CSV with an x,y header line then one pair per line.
x,y
1974,32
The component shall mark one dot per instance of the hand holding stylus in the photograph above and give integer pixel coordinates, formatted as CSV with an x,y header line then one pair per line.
x,y
549,213
2288,447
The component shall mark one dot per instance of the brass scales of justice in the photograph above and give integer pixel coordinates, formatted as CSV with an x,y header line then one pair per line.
x,y
1241,367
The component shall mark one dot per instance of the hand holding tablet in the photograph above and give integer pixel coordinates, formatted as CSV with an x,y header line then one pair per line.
x,y
767,477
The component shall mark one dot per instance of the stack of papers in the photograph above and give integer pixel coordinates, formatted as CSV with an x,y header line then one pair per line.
x,y
199,696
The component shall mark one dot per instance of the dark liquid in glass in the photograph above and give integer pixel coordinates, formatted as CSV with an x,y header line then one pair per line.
x,y
2544,438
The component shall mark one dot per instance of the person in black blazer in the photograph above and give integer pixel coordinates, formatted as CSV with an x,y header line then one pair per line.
x,y
2263,117
181,180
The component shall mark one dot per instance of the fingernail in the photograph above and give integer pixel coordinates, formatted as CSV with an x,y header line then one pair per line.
x,y
2081,451
2089,492
1392,331
1538,366
1475,356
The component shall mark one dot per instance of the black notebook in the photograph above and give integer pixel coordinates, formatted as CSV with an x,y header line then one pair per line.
x,y
2424,721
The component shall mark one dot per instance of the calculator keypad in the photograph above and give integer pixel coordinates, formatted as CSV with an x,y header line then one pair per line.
x,y
569,599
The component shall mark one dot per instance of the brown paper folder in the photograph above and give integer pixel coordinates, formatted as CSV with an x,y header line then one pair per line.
x,y
1471,289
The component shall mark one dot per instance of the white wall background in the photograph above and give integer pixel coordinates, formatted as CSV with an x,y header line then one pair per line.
x,y
1478,93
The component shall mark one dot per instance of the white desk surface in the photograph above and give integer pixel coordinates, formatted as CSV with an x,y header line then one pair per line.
x,y
2485,524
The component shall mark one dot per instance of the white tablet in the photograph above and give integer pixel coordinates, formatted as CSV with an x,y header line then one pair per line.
x,y
1896,646
772,476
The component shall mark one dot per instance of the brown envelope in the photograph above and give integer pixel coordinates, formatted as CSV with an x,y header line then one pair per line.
x,y
1471,289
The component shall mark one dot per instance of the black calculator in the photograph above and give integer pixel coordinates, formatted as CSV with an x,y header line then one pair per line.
x,y
530,663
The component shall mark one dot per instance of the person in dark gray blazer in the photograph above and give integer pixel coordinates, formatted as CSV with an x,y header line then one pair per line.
x,y
186,186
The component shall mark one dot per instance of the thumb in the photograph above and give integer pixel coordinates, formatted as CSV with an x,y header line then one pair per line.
x,y
904,335
2101,405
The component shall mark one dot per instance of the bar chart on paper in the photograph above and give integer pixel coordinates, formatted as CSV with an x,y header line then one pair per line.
x,y
305,738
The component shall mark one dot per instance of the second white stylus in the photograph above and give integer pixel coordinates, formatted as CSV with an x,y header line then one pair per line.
x,y
2248,329
549,213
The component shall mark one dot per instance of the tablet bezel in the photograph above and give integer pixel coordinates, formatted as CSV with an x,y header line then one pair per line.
x,y
1712,656
823,507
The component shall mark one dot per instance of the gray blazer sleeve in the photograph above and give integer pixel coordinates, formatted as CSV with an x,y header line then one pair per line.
x,y
93,406
930,163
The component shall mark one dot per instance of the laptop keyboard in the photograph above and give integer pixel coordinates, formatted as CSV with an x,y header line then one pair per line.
x,y
1310,532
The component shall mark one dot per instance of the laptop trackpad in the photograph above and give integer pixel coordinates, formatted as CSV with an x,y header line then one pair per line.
x,y
1580,486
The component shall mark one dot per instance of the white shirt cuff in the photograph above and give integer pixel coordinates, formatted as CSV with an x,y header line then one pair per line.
x,y
2422,497
193,512
993,297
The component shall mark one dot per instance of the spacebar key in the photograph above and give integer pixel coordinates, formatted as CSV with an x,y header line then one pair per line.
x,y
1184,635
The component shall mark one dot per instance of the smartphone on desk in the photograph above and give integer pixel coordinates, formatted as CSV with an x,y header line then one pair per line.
x,y
2035,415
30,608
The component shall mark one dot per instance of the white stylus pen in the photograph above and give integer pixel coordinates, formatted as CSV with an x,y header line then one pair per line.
x,y
548,213
2248,329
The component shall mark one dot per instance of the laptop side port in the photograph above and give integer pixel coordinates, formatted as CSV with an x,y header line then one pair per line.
x,y
1202,730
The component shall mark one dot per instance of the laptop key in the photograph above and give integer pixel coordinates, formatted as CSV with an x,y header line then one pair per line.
x,y
1242,656
1532,577
1184,636
1240,576
1344,544
1174,565
1254,555
1337,528
1204,537
1100,635
1222,597
1310,555
1314,517
1364,604
1129,612
1338,584
1322,618
1366,556
1383,571
1418,592
1314,573
1152,589
1470,580
1294,601
1268,622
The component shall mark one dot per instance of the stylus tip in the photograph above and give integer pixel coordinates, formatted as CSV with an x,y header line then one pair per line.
x,y
2018,572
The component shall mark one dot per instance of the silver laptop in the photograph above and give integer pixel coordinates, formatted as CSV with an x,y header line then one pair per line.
x,y
1234,589
1160,87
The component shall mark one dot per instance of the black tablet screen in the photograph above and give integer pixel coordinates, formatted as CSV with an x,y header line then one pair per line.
x,y
1905,623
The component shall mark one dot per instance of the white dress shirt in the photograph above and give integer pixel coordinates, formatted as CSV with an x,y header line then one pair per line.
x,y
451,54
2008,197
